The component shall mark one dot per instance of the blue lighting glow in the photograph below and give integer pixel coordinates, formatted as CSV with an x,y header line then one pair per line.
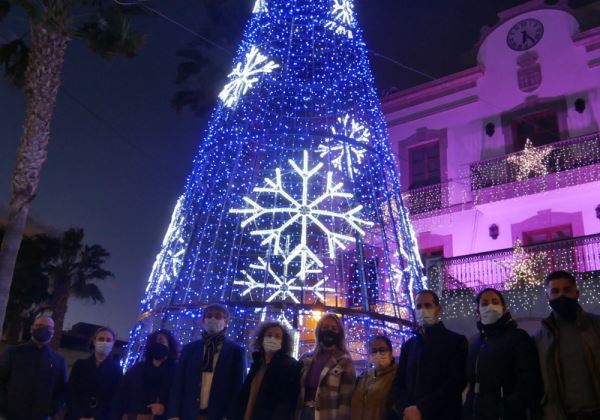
x,y
293,207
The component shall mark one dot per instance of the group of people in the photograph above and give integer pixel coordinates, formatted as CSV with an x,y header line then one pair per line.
x,y
502,373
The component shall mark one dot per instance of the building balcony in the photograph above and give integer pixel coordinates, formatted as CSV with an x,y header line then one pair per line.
x,y
518,267
558,165
537,169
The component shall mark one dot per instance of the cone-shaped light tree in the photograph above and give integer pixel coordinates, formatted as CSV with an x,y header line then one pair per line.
x,y
293,206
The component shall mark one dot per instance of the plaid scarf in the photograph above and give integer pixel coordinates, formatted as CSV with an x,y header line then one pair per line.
x,y
212,342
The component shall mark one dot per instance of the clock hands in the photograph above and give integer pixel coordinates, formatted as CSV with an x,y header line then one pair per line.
x,y
526,36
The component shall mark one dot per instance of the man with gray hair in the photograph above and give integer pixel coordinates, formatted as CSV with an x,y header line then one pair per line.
x,y
210,372
33,377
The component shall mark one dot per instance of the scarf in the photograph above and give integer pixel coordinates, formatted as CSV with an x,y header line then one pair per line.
x,y
212,342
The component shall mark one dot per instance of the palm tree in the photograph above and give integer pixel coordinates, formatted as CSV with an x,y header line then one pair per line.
x,y
72,272
37,67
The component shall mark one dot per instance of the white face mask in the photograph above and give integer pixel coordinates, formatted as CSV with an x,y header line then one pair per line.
x,y
426,317
103,348
214,325
490,314
271,344
381,361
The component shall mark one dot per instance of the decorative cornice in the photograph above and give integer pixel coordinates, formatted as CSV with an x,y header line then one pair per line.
x,y
434,110
435,89
589,39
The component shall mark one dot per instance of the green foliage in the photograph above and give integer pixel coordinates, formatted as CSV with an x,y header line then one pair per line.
x,y
109,33
203,71
104,25
14,56
78,265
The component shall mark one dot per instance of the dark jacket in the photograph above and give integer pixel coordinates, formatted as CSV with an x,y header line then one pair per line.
x,y
588,326
503,372
92,388
184,402
33,382
142,385
278,393
431,374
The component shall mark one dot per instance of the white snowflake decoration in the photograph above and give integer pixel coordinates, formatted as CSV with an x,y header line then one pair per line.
x,y
280,286
303,212
245,75
342,18
347,145
169,260
260,6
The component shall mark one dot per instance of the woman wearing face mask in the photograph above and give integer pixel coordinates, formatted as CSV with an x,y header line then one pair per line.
x,y
144,390
502,366
371,399
328,377
271,388
94,380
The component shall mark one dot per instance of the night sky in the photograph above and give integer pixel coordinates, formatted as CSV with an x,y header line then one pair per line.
x,y
119,153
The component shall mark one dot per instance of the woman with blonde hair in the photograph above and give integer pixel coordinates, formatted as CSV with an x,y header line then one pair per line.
x,y
328,378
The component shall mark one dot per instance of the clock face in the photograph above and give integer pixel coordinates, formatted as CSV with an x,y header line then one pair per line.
x,y
525,34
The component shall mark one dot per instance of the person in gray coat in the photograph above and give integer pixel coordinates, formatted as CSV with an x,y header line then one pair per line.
x,y
568,344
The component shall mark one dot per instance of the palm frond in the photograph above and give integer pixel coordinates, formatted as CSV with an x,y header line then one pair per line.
x,y
14,56
88,291
109,33
4,8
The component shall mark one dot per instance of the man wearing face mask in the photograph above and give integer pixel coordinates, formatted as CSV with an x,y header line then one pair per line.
x,y
430,376
210,372
568,344
33,377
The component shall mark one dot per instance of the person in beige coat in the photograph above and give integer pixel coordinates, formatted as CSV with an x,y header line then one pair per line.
x,y
371,398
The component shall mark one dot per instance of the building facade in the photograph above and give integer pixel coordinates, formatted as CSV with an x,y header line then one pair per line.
x,y
500,163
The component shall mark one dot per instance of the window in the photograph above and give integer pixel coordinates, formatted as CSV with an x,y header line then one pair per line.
x,y
424,165
555,233
541,128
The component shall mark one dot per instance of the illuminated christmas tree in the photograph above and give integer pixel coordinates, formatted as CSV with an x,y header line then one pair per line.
x,y
293,207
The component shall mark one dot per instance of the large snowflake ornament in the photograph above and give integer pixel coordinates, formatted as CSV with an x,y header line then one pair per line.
x,y
245,75
342,18
260,6
347,145
169,260
279,286
303,212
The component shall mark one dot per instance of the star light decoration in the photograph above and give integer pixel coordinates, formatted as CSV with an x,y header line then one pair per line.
x,y
347,145
245,75
169,260
531,160
304,212
342,18
260,6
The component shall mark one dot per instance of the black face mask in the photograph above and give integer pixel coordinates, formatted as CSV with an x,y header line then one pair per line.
x,y
565,307
329,338
41,334
158,351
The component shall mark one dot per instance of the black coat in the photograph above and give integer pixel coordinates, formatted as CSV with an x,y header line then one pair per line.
x,y
431,374
142,385
92,388
503,372
184,401
277,397
33,382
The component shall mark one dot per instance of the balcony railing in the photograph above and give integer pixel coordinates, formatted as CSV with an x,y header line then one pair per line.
x,y
557,157
425,199
508,268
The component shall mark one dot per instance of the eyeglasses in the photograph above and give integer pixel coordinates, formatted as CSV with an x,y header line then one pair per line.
x,y
380,350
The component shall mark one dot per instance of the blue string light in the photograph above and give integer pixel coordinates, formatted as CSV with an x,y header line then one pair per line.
x,y
293,207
